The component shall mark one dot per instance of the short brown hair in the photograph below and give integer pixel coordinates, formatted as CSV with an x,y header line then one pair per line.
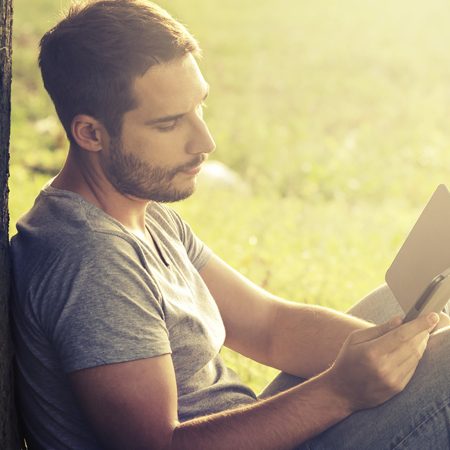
x,y
89,59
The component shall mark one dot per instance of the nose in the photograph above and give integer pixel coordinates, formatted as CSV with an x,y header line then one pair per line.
x,y
201,140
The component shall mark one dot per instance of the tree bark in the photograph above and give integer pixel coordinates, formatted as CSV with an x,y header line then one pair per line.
x,y
8,429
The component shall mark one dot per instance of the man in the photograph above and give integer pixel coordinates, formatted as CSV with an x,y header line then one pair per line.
x,y
120,311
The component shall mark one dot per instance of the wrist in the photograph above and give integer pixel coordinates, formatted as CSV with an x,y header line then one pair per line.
x,y
337,395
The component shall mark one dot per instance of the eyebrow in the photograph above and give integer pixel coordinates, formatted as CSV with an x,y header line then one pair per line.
x,y
173,116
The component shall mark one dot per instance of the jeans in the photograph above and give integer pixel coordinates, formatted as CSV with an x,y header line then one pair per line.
x,y
418,418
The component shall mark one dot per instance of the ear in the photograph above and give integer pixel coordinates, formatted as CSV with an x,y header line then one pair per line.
x,y
88,133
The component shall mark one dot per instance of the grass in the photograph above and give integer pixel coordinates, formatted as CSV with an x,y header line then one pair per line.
x,y
335,113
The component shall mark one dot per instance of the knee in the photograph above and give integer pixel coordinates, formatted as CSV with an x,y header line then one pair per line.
x,y
378,306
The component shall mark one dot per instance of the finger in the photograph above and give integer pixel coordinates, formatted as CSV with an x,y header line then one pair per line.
x,y
410,329
407,369
405,373
415,348
368,334
404,336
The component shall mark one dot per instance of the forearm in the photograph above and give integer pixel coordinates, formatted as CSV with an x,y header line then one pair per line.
x,y
305,339
281,422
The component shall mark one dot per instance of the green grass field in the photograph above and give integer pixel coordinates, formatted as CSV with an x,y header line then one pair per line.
x,y
335,113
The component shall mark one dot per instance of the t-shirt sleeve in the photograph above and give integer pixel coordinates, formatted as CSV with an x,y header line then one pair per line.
x,y
103,307
198,252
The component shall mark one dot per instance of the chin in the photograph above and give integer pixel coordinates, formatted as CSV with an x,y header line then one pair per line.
x,y
169,195
176,196
173,194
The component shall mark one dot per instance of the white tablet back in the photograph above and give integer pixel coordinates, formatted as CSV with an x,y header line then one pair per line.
x,y
425,253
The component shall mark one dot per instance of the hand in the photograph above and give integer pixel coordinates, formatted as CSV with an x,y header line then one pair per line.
x,y
375,364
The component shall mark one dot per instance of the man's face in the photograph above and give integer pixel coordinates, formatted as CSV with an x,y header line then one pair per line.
x,y
164,140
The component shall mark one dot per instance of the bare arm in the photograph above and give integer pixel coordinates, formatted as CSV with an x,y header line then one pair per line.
x,y
296,338
133,405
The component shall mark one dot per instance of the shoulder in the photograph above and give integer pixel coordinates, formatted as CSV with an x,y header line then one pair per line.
x,y
63,233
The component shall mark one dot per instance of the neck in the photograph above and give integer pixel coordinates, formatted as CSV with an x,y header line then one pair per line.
x,y
83,175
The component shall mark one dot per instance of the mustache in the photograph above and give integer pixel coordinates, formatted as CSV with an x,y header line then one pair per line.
x,y
195,163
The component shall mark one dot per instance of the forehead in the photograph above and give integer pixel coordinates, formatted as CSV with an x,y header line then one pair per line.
x,y
170,88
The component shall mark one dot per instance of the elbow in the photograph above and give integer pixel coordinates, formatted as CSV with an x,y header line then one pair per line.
x,y
161,439
166,439
172,439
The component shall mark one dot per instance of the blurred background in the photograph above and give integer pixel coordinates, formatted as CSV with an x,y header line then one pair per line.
x,y
332,127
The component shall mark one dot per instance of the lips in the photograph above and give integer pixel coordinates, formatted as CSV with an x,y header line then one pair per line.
x,y
194,169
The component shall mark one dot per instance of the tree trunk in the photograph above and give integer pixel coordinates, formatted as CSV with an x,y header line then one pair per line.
x,y
8,430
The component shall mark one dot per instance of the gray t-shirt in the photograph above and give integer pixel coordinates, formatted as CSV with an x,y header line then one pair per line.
x,y
88,293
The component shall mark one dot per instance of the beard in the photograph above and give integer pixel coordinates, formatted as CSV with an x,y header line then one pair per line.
x,y
133,177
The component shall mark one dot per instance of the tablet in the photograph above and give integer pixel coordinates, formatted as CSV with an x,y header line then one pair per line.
x,y
419,277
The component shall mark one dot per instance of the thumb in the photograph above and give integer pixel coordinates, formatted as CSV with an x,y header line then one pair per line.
x,y
368,334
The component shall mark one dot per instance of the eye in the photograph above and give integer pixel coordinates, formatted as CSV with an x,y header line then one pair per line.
x,y
168,126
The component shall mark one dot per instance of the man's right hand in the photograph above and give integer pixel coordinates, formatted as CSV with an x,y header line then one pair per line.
x,y
377,363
